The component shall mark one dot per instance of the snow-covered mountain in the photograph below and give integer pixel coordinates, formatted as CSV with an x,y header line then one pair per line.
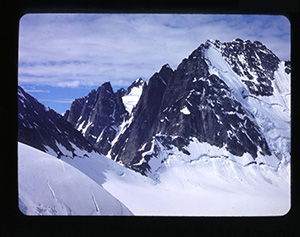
x,y
101,115
216,126
50,186
232,98
263,89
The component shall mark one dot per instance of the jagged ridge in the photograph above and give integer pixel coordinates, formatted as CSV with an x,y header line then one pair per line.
x,y
46,130
191,102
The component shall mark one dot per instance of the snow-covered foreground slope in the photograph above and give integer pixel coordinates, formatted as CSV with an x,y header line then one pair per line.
x,y
201,187
50,186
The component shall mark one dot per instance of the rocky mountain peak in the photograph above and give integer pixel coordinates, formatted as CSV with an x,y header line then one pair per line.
x,y
252,61
193,66
228,98
105,88
98,115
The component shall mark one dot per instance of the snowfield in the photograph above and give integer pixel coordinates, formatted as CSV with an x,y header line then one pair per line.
x,y
206,186
99,186
50,186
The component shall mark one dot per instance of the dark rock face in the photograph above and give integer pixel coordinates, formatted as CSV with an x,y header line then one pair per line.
x,y
251,60
144,116
41,127
210,113
122,92
98,116
287,67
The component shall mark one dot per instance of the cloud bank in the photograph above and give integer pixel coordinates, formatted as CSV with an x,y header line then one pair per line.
x,y
73,50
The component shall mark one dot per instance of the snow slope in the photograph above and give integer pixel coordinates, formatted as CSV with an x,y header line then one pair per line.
x,y
185,193
209,185
130,100
205,187
201,187
50,186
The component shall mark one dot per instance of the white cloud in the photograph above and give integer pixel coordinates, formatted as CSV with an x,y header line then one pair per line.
x,y
37,91
70,50
63,101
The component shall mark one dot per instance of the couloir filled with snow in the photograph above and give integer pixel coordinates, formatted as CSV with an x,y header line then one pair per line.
x,y
131,99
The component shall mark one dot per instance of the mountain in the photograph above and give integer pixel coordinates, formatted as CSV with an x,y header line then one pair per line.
x,y
44,129
100,114
217,96
232,97
270,106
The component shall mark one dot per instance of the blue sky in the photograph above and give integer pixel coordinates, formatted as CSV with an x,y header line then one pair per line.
x,y
64,56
